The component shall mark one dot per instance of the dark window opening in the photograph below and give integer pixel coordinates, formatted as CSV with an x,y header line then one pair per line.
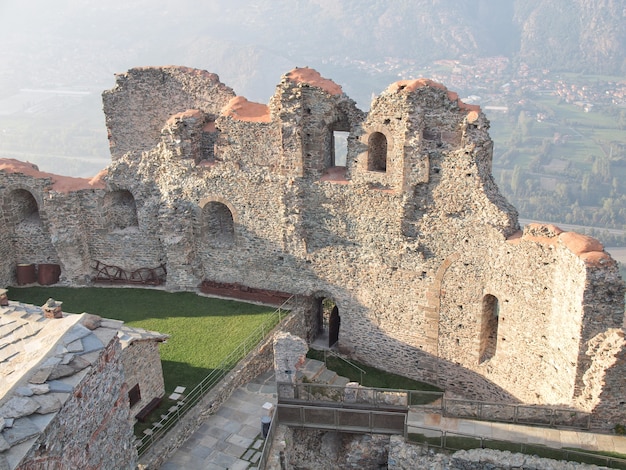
x,y
134,395
489,327
208,140
377,152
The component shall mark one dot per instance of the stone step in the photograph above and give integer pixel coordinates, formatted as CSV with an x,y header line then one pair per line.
x,y
312,369
341,381
326,377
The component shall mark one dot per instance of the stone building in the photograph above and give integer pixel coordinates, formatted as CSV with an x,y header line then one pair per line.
x,y
65,388
403,229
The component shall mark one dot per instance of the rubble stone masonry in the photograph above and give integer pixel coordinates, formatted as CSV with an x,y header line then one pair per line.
x,y
410,237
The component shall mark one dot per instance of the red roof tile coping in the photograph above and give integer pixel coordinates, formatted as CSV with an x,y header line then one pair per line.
x,y
587,248
61,184
189,113
313,77
579,244
243,110
412,85
209,127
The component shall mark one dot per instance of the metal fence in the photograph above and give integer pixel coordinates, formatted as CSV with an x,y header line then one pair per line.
x,y
513,413
267,445
318,393
342,419
440,439
176,412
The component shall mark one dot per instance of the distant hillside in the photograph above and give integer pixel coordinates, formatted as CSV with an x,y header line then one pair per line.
x,y
572,35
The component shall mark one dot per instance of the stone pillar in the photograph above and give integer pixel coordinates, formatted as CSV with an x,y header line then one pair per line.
x,y
289,356
52,309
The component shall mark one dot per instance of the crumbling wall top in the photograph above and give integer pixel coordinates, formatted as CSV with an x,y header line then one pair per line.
x,y
312,77
414,85
243,110
60,184
589,249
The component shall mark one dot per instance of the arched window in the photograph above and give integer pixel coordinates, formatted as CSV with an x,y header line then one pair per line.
x,y
377,152
218,225
24,207
121,210
489,327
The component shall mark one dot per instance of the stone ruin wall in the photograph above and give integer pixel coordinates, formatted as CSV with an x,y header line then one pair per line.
x,y
141,359
409,252
86,432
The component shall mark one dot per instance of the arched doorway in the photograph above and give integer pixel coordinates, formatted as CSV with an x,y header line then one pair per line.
x,y
328,322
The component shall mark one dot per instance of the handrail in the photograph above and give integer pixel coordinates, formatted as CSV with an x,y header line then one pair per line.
x,y
333,353
429,436
217,374
317,393
550,416
267,444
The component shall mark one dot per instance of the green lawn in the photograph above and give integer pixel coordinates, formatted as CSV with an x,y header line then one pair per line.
x,y
373,377
203,331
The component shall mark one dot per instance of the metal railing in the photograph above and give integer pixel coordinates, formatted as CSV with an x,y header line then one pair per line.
x,y
314,393
342,419
267,445
176,412
333,353
513,413
440,439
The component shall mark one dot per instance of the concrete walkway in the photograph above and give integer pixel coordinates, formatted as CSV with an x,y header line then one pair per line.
x,y
550,437
232,437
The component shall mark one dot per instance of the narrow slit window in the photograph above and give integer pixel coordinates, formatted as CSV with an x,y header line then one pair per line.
x,y
340,148
489,327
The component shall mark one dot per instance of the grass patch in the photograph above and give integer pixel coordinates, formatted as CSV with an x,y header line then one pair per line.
x,y
203,331
373,377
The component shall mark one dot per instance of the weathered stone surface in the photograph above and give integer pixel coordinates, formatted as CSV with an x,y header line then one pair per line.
x,y
47,404
405,456
4,445
22,430
17,407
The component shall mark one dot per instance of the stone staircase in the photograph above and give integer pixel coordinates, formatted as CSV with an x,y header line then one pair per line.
x,y
316,372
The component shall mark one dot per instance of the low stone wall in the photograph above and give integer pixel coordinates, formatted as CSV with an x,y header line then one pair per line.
x,y
306,448
404,456
256,362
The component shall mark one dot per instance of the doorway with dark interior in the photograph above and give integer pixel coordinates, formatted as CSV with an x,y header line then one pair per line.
x,y
328,321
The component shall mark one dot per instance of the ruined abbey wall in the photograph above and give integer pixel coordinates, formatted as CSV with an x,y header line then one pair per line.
x,y
407,232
